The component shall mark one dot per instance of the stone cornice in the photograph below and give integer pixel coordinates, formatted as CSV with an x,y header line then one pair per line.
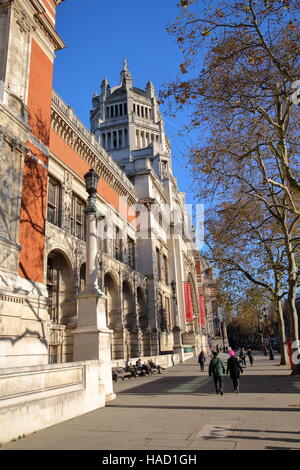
x,y
12,140
46,26
84,143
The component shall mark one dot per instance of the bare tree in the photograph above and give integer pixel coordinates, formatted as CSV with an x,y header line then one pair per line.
x,y
240,70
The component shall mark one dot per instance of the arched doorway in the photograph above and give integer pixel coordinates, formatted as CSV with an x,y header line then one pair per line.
x,y
130,322
128,307
113,315
144,337
112,302
62,306
141,308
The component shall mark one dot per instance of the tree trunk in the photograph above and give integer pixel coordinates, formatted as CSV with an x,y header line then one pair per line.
x,y
284,359
292,310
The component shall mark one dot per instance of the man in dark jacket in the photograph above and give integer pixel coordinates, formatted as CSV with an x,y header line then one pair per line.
x,y
234,368
217,370
201,360
250,355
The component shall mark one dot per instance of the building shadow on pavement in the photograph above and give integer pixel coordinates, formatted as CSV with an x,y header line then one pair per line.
x,y
259,384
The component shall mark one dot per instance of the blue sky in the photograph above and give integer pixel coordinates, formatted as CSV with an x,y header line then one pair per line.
x,y
98,35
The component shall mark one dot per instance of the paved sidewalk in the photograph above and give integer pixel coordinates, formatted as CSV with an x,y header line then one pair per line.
x,y
180,410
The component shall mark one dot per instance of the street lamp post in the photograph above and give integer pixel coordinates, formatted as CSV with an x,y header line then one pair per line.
x,y
261,324
92,338
91,183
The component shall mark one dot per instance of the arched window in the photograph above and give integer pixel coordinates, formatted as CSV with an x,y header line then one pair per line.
x,y
82,277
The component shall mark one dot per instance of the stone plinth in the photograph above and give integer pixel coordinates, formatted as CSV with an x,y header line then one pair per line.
x,y
92,338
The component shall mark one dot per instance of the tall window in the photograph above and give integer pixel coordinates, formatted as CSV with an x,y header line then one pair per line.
x,y
82,277
53,209
160,219
168,313
53,353
165,268
138,222
53,291
77,217
115,140
120,139
130,251
158,264
117,244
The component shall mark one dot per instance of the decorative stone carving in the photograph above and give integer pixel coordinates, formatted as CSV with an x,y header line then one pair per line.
x,y
23,21
56,334
84,143
164,170
67,200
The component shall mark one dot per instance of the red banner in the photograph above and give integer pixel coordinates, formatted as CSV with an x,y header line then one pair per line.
x,y
188,302
202,310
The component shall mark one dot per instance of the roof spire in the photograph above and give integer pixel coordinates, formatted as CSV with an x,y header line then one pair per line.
x,y
126,77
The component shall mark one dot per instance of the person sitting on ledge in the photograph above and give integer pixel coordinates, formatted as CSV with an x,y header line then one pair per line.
x,y
140,367
154,366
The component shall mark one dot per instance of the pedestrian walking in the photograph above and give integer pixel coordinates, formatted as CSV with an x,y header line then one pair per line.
x,y
243,357
234,368
250,355
217,370
201,360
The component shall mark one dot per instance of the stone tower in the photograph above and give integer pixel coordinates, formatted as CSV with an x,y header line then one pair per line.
x,y
127,122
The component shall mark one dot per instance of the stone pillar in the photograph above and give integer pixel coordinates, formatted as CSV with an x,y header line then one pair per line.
x,y
92,338
224,334
178,347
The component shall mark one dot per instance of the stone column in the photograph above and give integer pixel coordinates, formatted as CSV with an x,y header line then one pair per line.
x,y
177,337
224,334
92,337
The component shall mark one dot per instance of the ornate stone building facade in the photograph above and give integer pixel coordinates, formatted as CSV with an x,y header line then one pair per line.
x,y
127,121
146,270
